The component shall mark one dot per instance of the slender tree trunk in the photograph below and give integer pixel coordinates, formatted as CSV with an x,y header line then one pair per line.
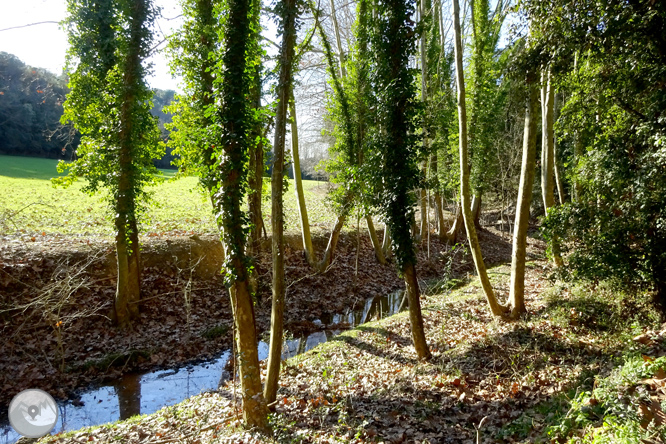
x,y
256,176
439,212
476,211
256,164
298,182
548,154
517,288
423,228
468,217
379,253
386,242
556,166
452,234
424,98
284,89
338,40
415,316
327,258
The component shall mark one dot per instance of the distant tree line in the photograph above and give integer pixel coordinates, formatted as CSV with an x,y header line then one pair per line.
x,y
31,106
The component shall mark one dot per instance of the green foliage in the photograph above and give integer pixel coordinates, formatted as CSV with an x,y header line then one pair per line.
x,y
30,110
616,228
214,124
346,108
610,413
487,93
194,53
109,101
395,143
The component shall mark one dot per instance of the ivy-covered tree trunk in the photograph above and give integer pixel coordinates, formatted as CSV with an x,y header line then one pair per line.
x,y
288,11
517,286
232,175
109,40
468,217
396,109
256,177
128,291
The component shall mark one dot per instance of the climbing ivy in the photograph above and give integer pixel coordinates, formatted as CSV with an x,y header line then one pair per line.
x,y
395,142
102,82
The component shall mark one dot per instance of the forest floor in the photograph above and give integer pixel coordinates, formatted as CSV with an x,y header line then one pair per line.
x,y
579,353
56,299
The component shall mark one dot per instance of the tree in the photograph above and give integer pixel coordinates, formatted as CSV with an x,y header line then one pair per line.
x,y
30,111
548,152
215,121
234,118
517,285
616,94
109,103
393,41
288,12
468,217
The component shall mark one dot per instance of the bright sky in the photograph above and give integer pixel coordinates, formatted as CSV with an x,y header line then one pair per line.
x,y
45,45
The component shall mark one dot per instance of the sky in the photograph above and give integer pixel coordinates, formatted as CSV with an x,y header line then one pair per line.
x,y
45,45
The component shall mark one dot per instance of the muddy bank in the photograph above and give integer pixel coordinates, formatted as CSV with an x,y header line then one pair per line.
x,y
56,296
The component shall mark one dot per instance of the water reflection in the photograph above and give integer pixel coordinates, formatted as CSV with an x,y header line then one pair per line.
x,y
148,392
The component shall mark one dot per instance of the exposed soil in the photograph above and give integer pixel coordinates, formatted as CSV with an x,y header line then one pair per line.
x,y
56,294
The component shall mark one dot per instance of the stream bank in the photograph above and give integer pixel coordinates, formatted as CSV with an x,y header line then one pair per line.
x,y
185,315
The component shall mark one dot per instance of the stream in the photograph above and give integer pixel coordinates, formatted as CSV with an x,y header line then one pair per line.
x,y
145,393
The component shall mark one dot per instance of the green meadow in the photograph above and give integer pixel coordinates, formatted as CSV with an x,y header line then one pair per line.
x,y
31,206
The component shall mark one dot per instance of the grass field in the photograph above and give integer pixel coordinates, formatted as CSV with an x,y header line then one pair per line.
x,y
31,206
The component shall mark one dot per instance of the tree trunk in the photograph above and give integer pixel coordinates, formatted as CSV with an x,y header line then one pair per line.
x,y
439,212
476,211
232,171
386,242
379,253
468,217
332,243
556,166
298,186
423,228
338,40
127,237
548,154
284,89
517,288
452,234
256,176
415,316
255,412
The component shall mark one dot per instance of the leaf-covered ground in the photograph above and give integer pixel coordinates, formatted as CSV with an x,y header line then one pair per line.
x,y
55,301
489,381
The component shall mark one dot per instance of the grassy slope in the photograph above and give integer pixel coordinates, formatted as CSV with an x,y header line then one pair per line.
x,y
31,206
527,381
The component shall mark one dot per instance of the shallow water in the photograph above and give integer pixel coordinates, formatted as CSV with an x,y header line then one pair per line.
x,y
145,393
